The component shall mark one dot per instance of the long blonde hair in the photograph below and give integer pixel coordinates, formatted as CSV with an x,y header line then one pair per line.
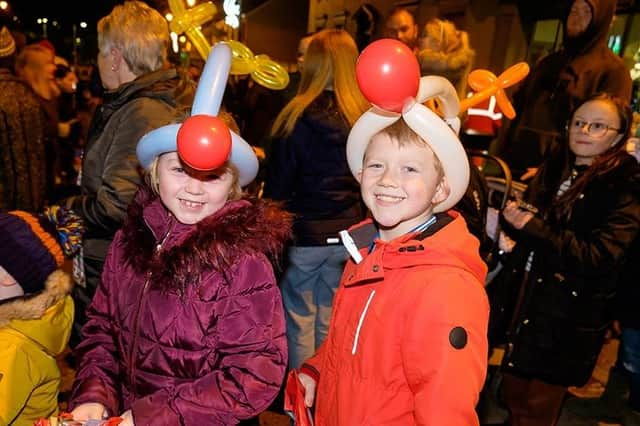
x,y
330,61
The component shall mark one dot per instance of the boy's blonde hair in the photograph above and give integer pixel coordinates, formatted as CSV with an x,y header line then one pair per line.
x,y
139,32
330,61
402,134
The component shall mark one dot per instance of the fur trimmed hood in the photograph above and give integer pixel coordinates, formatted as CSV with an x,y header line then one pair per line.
x,y
241,227
57,286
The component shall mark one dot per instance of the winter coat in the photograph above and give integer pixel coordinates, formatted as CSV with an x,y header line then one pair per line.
x,y
308,171
33,331
557,313
628,290
407,342
110,169
22,150
559,83
187,325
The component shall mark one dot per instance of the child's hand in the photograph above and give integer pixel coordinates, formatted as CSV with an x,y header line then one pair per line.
x,y
89,411
517,217
309,386
127,419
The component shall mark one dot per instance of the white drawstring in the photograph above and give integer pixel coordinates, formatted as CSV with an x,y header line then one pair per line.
x,y
362,315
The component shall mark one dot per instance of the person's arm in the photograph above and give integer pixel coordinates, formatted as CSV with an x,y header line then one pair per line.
x,y
106,209
18,377
98,375
617,82
251,357
444,348
599,250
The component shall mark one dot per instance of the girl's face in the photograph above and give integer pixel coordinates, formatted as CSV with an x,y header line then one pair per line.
x,y
8,286
593,129
189,194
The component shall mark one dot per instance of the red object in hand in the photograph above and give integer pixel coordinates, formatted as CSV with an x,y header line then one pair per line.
x,y
294,401
388,74
204,142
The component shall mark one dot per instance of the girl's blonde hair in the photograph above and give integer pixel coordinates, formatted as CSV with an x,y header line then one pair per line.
x,y
330,61
139,32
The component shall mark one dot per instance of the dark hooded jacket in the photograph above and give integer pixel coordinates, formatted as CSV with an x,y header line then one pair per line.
x,y
559,83
558,302
187,326
110,175
308,170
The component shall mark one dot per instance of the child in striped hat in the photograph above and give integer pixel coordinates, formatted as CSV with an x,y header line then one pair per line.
x,y
36,314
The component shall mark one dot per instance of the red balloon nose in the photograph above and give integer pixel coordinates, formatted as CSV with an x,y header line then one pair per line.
x,y
388,74
204,142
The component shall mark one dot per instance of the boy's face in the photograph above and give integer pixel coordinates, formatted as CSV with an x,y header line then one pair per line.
x,y
191,195
400,185
8,286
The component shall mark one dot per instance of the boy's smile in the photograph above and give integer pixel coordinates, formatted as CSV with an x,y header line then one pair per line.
x,y
400,185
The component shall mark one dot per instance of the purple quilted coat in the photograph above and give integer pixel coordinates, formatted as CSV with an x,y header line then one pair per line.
x,y
187,326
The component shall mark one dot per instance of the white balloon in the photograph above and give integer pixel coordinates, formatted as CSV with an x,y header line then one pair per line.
x,y
367,126
432,86
446,146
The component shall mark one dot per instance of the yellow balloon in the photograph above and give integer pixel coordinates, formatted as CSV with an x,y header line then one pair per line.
x,y
262,69
188,21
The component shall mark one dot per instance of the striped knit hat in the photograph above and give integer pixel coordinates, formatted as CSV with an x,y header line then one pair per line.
x,y
29,250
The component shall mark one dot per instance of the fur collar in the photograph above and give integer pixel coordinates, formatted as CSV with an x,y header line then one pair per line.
x,y
57,286
214,244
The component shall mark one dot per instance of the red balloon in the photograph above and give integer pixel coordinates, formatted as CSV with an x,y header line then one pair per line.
x,y
388,74
204,142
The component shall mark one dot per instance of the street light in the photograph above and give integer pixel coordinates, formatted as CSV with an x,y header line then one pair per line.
x,y
191,3
168,17
83,25
4,5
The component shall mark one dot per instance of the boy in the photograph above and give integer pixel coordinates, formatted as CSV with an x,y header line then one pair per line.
x,y
407,342
36,313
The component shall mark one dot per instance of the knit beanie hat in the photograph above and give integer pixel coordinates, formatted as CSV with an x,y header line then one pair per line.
x,y
29,250
7,43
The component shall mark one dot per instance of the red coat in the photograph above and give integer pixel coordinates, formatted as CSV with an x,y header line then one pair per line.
x,y
187,326
407,342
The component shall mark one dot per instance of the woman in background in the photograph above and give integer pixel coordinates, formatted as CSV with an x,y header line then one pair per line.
x,y
307,169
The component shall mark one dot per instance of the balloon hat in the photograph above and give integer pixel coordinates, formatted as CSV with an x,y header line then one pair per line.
x,y
203,141
389,77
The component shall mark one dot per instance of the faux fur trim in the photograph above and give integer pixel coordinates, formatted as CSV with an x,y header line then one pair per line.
x,y
214,244
57,286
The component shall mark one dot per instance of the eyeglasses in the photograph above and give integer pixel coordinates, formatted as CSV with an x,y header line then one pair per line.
x,y
594,129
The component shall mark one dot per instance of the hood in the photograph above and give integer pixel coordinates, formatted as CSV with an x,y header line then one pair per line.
x,y
446,243
45,318
323,116
598,29
241,227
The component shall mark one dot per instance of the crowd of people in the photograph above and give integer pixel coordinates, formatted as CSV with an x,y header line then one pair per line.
x,y
358,263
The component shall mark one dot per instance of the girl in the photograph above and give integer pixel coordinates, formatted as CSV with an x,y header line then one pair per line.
x,y
308,170
567,259
187,325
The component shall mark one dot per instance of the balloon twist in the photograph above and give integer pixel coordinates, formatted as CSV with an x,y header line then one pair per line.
x,y
262,69
188,21
486,84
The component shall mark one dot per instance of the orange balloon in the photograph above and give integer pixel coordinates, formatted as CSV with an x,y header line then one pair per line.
x,y
486,84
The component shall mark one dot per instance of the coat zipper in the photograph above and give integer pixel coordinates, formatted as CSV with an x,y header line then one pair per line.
x,y
136,323
362,315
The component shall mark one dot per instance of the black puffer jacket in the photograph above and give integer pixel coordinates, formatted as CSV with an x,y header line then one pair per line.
x,y
563,305
308,170
110,169
558,84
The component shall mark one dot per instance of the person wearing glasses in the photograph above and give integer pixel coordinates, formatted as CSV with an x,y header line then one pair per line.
x,y
560,82
557,287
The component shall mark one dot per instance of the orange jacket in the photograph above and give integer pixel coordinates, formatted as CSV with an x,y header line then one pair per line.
x,y
407,342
